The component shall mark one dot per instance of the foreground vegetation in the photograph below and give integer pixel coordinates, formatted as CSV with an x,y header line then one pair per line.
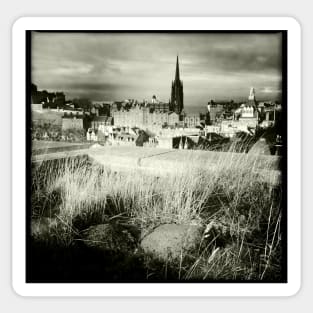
x,y
242,213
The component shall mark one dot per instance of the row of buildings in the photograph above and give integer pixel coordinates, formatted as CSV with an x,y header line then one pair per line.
x,y
128,113
161,121
248,117
142,117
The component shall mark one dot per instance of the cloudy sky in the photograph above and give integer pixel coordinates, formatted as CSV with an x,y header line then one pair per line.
x,y
103,66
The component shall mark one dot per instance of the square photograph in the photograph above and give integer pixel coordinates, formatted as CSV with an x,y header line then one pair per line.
x,y
156,156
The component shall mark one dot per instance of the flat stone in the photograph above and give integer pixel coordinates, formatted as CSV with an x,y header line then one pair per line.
x,y
169,241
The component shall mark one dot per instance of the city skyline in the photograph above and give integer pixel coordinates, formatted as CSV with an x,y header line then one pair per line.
x,y
107,66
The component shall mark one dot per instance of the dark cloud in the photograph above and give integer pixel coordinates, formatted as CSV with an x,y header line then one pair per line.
x,y
244,61
95,91
118,66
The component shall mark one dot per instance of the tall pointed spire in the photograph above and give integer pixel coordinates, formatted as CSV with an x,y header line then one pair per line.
x,y
177,95
177,70
251,99
252,94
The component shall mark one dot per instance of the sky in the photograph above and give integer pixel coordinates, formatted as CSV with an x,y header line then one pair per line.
x,y
118,66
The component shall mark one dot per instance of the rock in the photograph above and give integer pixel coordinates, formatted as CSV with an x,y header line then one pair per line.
x,y
168,241
110,237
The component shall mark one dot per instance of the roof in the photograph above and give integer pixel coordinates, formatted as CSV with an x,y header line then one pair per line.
x,y
67,107
101,118
192,116
173,113
102,102
124,135
68,117
214,136
194,138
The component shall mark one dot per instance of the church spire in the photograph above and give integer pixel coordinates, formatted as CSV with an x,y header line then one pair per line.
x,y
177,95
251,98
252,94
177,70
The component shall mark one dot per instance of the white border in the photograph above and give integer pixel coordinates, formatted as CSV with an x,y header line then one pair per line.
x,y
156,23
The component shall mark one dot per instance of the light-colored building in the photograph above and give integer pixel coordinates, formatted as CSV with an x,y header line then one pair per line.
x,y
37,106
101,121
91,135
142,117
46,117
192,121
214,110
135,117
230,128
173,119
72,123
248,111
212,129
124,140
69,112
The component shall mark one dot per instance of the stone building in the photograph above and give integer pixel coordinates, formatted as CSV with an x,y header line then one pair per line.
x,y
173,119
102,108
230,128
249,110
72,123
101,121
214,111
135,117
37,107
192,121
245,118
159,106
142,117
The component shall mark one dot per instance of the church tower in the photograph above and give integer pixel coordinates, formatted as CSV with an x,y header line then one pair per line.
x,y
177,95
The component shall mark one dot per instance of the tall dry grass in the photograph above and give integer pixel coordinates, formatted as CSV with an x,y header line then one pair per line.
x,y
231,198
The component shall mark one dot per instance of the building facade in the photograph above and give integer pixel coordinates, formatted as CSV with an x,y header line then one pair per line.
x,y
192,121
142,117
214,111
101,121
72,123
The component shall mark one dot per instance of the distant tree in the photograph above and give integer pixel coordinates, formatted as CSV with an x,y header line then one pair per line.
x,y
230,106
74,134
83,103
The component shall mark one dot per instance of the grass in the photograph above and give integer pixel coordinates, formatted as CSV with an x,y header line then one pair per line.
x,y
241,212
